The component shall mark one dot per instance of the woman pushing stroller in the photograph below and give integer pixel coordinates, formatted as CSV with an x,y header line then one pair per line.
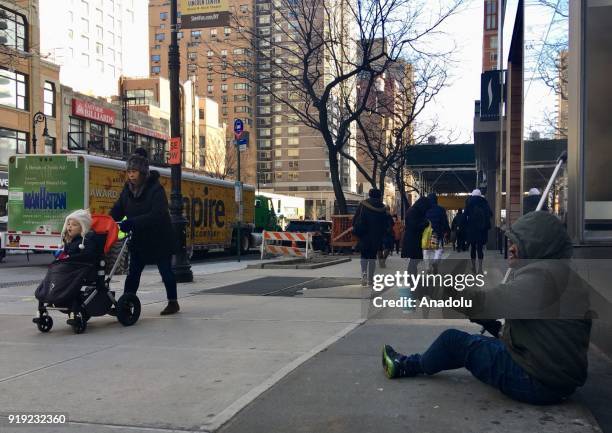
x,y
144,204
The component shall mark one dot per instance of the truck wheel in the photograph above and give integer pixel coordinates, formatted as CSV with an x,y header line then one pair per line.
x,y
245,244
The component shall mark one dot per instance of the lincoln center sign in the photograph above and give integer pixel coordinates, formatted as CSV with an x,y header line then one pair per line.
x,y
204,13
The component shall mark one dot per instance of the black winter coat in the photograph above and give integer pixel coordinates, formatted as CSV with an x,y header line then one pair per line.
x,y
86,255
477,219
458,222
437,217
530,203
414,226
152,237
370,224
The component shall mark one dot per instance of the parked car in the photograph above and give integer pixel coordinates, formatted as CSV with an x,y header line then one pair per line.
x,y
321,240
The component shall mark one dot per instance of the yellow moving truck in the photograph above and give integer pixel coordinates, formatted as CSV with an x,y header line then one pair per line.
x,y
44,189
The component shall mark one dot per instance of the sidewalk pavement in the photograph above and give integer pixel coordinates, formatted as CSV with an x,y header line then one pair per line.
x,y
250,363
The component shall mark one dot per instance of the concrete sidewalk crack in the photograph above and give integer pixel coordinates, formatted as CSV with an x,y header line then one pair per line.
x,y
25,373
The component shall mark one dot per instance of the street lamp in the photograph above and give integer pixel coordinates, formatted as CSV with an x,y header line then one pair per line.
x,y
182,268
38,118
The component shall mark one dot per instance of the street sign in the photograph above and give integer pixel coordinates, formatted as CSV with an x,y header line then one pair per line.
x,y
242,142
238,192
175,151
238,128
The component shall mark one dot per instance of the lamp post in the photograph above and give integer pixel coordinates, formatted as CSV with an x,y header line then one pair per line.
x,y
38,118
181,266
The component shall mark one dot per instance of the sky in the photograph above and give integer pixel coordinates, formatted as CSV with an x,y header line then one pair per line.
x,y
454,106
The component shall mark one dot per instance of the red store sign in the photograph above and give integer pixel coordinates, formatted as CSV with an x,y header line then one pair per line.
x,y
148,132
93,112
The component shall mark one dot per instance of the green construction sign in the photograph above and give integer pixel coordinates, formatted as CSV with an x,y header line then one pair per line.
x,y
43,190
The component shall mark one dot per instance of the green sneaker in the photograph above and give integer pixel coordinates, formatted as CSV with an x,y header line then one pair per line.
x,y
397,365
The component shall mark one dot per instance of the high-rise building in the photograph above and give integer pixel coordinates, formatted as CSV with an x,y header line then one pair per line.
x,y
205,54
95,41
292,158
489,39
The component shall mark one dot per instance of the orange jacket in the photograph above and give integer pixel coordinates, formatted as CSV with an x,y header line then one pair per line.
x,y
398,230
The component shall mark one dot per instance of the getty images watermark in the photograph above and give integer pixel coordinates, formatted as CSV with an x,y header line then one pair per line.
x,y
408,283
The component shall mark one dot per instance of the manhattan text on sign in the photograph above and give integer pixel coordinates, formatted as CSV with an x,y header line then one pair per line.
x,y
175,151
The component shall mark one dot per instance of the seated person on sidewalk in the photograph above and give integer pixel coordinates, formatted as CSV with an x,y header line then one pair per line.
x,y
537,361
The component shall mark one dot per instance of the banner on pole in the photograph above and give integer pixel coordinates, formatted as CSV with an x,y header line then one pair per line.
x,y
175,151
204,13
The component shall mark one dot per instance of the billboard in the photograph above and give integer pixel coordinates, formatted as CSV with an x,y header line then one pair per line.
x,y
43,190
204,13
490,95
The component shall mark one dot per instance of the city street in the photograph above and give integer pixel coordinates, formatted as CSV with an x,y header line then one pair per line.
x,y
239,360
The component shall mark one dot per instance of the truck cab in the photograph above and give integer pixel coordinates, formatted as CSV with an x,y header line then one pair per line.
x,y
265,217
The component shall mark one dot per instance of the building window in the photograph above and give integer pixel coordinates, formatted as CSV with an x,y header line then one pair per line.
x,y
493,42
294,164
99,49
163,16
293,175
213,33
76,133
224,87
85,25
196,34
100,65
11,142
179,35
140,97
244,9
491,15
227,31
16,30
155,58
210,88
85,60
293,153
114,140
493,57
13,89
96,135
49,99
224,53
155,69
293,130
293,141
160,37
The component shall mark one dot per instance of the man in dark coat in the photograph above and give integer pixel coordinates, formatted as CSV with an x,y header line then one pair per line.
x,y
370,223
414,225
143,202
477,224
458,227
439,224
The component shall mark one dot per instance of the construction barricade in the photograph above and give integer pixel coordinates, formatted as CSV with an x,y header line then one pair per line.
x,y
342,232
272,243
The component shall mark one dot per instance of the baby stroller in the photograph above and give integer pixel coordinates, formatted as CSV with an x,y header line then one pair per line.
x,y
82,290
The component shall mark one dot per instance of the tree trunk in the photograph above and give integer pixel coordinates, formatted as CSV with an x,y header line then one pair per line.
x,y
337,183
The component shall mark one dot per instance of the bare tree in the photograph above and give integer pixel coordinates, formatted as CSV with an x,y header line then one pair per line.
x,y
220,163
311,62
392,121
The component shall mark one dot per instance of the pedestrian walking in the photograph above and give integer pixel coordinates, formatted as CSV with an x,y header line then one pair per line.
x,y
458,228
477,222
436,215
398,233
387,242
530,202
414,225
537,361
144,204
370,224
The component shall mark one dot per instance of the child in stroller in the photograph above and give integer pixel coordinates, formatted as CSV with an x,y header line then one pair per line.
x,y
76,283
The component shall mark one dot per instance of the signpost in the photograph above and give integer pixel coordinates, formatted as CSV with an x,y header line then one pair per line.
x,y
238,130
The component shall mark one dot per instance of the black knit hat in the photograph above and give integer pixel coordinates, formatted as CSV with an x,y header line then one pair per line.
x,y
138,161
375,193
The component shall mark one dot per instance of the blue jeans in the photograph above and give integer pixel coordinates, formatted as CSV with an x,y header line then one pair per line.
x,y
489,361
132,281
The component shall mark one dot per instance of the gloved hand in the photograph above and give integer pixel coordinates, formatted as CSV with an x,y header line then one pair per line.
x,y
126,226
57,253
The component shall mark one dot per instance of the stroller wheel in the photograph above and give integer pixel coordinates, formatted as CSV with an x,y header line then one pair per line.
x,y
44,323
128,309
79,324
